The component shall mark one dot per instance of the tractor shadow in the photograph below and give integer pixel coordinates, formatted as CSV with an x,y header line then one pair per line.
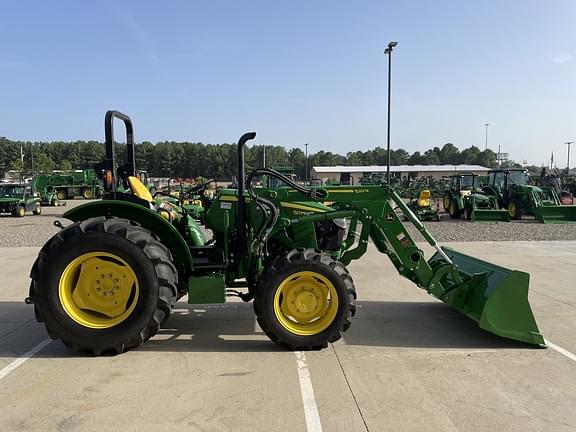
x,y
416,324
231,327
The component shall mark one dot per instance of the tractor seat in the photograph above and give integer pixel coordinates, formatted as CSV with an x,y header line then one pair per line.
x,y
166,210
138,189
424,198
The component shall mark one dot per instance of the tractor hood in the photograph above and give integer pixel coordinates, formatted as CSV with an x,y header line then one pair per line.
x,y
480,197
528,187
9,200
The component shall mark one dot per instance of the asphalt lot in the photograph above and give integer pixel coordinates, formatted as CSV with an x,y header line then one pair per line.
x,y
407,363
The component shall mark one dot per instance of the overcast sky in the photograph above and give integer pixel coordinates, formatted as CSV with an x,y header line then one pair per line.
x,y
295,72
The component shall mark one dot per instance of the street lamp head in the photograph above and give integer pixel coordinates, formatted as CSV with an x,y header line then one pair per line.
x,y
390,46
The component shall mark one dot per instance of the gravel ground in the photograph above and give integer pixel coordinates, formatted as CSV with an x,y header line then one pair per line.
x,y
36,230
452,230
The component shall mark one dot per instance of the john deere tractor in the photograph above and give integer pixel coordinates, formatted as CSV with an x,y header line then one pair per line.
x,y
108,280
513,192
464,196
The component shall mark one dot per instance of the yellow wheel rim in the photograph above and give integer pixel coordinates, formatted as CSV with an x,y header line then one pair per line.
x,y
512,209
98,290
60,195
452,208
306,303
87,193
446,201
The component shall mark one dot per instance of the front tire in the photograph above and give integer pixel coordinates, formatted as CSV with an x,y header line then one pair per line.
x,y
103,285
61,194
454,211
515,210
87,193
304,300
468,213
37,210
20,211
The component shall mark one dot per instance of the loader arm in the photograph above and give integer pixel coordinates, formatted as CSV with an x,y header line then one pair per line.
x,y
495,297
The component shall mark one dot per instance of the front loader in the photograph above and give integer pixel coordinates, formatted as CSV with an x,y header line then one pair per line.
x,y
464,196
107,281
513,192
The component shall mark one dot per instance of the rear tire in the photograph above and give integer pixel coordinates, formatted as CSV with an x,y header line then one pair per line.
x,y
64,273
305,300
446,202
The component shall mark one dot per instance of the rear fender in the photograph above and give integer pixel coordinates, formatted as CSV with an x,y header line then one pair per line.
x,y
143,216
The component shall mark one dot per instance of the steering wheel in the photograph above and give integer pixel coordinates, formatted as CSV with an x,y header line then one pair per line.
x,y
166,194
198,189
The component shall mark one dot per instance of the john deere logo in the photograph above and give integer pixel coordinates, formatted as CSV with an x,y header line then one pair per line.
x,y
389,217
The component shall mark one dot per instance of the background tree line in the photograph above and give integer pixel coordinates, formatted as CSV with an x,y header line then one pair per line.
x,y
186,159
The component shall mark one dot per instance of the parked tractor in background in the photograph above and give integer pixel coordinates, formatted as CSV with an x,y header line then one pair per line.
x,y
513,191
107,281
464,196
67,185
17,199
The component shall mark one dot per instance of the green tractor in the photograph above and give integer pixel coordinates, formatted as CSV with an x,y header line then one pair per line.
x,y
513,192
107,281
464,196
17,199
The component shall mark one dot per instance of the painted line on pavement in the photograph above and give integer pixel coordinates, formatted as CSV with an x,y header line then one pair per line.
x,y
26,356
311,414
561,350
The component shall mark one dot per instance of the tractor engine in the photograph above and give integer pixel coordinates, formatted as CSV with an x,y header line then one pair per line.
x,y
330,234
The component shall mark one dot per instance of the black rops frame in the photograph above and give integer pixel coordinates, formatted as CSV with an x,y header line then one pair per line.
x,y
128,168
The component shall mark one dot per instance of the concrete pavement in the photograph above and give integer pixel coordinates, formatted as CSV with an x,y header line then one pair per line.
x,y
407,363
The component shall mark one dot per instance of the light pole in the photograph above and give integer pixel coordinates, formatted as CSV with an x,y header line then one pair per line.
x,y
306,173
264,156
486,126
388,51
569,143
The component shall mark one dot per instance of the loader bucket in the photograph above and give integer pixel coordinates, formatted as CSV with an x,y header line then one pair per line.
x,y
492,215
556,214
493,296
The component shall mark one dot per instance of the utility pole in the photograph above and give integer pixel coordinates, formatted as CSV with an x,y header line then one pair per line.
x,y
388,51
306,173
569,143
264,156
486,126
